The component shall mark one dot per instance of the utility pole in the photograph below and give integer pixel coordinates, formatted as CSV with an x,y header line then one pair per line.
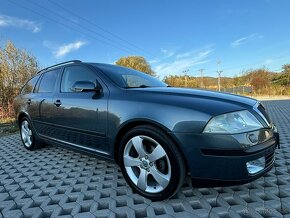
x,y
201,76
219,75
185,75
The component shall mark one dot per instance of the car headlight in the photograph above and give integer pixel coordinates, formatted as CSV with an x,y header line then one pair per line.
x,y
235,122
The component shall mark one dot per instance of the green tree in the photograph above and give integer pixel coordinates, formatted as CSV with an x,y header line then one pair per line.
x,y
286,68
282,78
286,72
16,67
136,63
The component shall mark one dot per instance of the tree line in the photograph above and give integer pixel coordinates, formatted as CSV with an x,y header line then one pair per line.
x,y
258,82
17,66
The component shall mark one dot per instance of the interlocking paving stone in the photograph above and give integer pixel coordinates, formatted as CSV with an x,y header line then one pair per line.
x,y
57,182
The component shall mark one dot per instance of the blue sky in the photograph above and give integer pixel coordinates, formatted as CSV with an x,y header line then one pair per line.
x,y
173,36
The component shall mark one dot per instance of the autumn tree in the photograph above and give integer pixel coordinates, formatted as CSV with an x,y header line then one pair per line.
x,y
260,80
136,63
16,67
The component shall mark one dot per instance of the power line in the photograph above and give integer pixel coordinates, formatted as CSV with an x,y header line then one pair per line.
x,y
97,26
77,24
67,26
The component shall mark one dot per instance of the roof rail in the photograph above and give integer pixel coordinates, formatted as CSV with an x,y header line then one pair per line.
x,y
60,64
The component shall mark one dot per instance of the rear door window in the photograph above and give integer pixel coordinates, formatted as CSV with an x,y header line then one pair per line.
x,y
28,88
48,81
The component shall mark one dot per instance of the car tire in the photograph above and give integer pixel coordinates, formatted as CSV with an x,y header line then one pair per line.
x,y
27,134
151,162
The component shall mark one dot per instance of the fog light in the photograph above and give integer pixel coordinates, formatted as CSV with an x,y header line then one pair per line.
x,y
255,166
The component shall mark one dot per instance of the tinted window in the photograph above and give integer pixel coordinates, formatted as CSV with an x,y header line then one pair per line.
x,y
128,78
48,81
28,88
73,74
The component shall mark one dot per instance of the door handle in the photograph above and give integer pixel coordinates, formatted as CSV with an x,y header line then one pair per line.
x,y
57,103
29,101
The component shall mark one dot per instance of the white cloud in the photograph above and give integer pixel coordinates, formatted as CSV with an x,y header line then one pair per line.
x,y
6,21
168,53
153,61
183,61
183,55
201,52
48,44
269,61
227,12
237,43
67,48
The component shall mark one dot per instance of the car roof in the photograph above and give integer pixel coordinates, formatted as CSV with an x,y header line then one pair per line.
x,y
78,61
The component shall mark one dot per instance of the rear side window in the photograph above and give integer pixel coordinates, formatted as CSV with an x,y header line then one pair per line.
x,y
73,74
48,81
28,88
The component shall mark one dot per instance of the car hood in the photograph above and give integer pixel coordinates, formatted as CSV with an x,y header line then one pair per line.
x,y
184,110
199,93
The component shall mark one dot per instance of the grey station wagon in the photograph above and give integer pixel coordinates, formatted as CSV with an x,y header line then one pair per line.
x,y
157,134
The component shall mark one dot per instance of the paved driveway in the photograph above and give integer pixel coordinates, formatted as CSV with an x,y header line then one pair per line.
x,y
54,181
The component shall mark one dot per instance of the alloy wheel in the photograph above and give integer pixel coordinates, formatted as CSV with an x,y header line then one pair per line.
x,y
147,164
26,134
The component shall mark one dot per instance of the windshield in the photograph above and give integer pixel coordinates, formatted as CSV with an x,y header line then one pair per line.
x,y
128,78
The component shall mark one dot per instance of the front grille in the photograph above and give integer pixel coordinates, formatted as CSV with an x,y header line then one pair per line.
x,y
270,158
264,113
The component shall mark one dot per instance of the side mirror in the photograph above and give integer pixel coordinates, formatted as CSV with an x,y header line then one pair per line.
x,y
85,86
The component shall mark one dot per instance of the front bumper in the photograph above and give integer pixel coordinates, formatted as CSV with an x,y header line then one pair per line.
x,y
215,158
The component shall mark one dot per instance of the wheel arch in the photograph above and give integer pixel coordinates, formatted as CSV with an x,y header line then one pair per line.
x,y
21,115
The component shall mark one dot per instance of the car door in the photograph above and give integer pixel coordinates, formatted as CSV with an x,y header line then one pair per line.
x,y
29,98
43,99
81,117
